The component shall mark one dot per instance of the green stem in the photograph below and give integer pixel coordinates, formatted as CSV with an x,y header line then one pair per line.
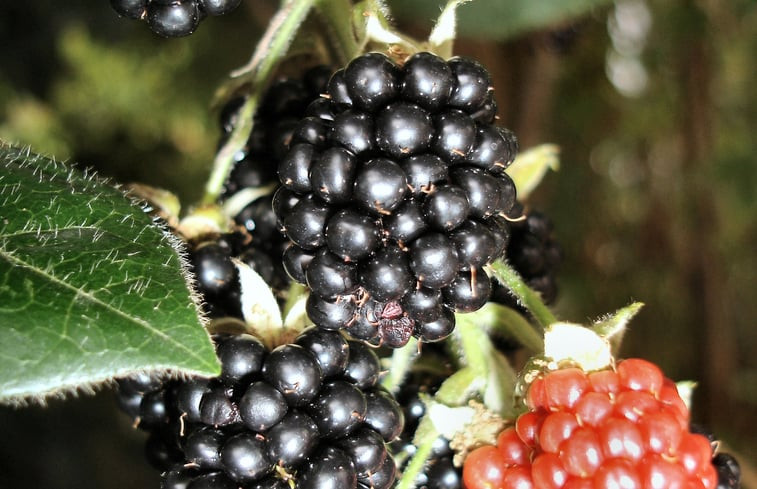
x,y
455,390
506,322
336,16
523,293
258,72
401,361
224,159
424,446
472,339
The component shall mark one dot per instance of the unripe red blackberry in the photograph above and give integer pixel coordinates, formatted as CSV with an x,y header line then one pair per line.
x,y
621,427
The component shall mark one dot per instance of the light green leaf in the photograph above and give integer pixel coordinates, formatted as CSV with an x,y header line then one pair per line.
x,y
529,168
613,326
398,365
498,394
90,287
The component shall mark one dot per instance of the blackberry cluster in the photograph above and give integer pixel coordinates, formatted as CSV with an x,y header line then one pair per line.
x,y
173,18
307,414
282,106
393,195
535,254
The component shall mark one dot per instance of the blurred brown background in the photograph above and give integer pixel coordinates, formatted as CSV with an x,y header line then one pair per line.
x,y
651,102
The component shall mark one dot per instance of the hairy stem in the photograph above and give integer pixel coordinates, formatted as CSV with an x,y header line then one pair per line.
x,y
523,293
269,52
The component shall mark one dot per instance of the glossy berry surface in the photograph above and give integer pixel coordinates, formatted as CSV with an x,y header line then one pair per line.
x,y
534,252
625,427
308,413
392,161
176,18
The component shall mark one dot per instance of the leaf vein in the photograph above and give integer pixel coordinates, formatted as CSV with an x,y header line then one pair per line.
x,y
80,292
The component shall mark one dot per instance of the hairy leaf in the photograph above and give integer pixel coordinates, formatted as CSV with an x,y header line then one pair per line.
x,y
90,287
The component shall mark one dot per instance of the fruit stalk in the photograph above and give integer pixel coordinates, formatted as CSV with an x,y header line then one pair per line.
x,y
518,288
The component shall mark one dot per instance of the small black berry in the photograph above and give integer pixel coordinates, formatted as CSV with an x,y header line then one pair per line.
x,y
295,372
244,457
403,129
262,406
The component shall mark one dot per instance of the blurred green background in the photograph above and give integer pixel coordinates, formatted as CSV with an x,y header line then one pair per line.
x,y
651,102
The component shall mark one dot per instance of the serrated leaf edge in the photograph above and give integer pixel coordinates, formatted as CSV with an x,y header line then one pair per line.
x,y
20,399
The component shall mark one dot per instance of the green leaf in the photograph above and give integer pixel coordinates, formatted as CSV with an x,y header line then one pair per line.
x,y
529,168
613,326
499,19
90,287
505,322
498,394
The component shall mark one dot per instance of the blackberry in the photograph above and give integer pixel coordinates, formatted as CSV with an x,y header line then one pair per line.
x,y
308,413
535,254
330,314
133,9
729,472
399,175
172,18
275,129
726,465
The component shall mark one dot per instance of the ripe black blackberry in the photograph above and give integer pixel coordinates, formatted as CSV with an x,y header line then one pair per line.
x,y
172,18
726,465
282,105
309,412
535,254
396,206
729,471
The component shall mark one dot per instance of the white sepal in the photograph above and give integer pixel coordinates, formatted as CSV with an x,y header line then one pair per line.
x,y
377,32
259,307
573,343
237,202
449,421
686,390
445,29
